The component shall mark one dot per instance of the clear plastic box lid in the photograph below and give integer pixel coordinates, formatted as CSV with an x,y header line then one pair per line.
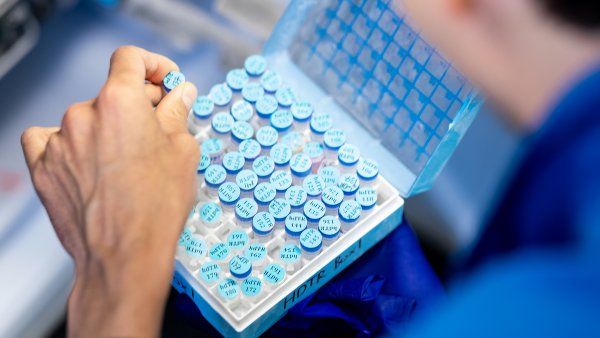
x,y
400,101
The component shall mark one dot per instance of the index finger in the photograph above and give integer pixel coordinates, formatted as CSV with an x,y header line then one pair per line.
x,y
134,66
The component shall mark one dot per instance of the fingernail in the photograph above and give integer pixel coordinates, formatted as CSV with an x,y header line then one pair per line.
x,y
189,94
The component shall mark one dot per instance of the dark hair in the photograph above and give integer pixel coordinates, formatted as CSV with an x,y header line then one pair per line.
x,y
581,13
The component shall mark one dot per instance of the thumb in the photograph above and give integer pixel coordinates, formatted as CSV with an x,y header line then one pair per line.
x,y
173,109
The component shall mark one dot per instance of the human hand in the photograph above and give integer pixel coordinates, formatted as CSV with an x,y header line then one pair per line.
x,y
117,179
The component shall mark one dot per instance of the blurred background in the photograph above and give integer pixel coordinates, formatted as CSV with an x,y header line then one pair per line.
x,y
56,52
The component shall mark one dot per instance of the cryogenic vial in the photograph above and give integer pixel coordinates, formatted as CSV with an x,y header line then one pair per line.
x,y
280,209
313,185
300,165
256,253
273,275
319,124
214,176
314,210
349,213
240,267
228,290
237,241
252,91
195,249
315,151
285,96
251,287
255,65
302,112
236,79
263,224
214,149
349,184
267,136
367,171
332,197
242,111
330,175
245,209
266,105
271,81
295,223
209,273
329,227
221,126
311,242
250,149
367,198
294,140
290,257
263,167
172,80
281,181
247,181
229,195
221,94
219,253
333,139
264,194
241,131
296,196
282,121
281,154
202,165
186,235
233,162
348,156
202,109
210,215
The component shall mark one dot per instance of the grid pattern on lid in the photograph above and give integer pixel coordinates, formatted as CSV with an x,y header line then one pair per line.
x,y
378,67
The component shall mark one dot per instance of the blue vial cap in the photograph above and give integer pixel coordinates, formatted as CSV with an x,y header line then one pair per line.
x,y
242,111
320,123
290,253
233,162
237,239
228,289
210,213
281,180
274,273
219,252
311,240
314,210
185,236
172,80
281,154
204,163
215,175
240,267
296,196
367,170
300,164
229,193
366,198
196,246
222,123
246,180
236,79
256,252
266,105
203,107
285,96
263,166
252,92
349,211
209,272
263,223
245,209
349,184
313,185
330,175
332,197
280,209
301,111
271,81
267,137
241,131
295,223
251,287
255,65
212,147
329,227
250,149
348,155
282,120
264,193
220,94
334,139
314,150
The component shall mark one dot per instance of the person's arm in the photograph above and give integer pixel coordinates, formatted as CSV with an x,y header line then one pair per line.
x,y
117,179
